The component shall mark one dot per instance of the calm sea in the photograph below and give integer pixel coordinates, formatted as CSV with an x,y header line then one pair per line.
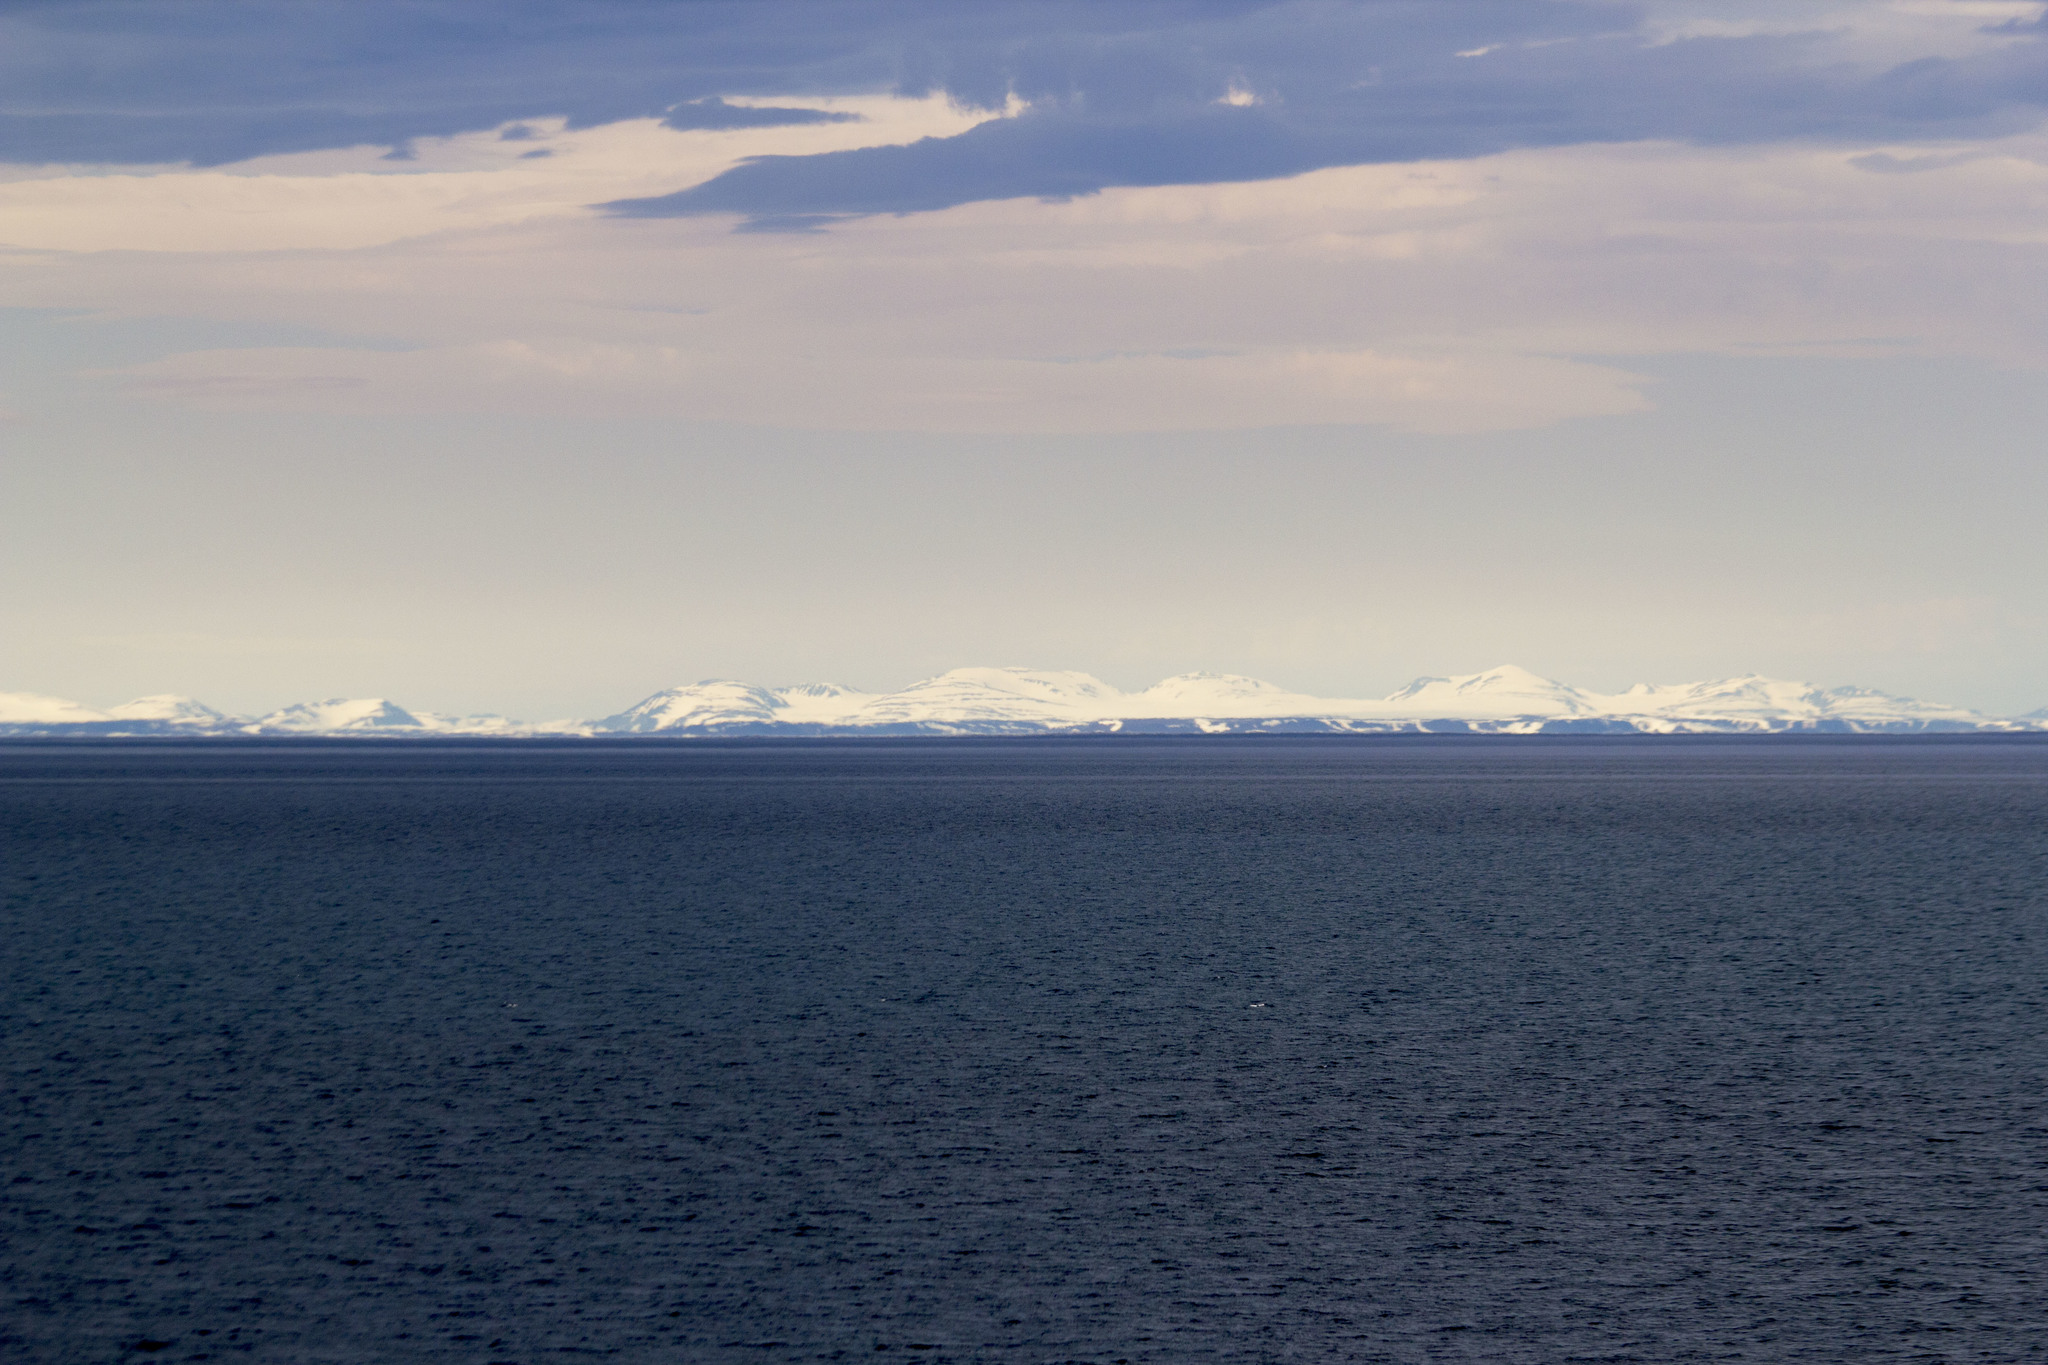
x,y
1172,1050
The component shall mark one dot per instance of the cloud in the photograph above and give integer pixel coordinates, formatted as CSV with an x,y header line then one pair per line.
x,y
1147,93
1170,216
717,113
1052,155
1598,88
352,198
1487,293
213,82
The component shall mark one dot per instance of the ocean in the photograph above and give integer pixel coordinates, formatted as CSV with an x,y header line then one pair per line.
x,y
1391,1049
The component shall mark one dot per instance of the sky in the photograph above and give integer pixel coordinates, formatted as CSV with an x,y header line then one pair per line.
x,y
529,358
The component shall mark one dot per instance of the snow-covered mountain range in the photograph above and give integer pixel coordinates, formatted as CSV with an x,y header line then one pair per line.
x,y
1022,701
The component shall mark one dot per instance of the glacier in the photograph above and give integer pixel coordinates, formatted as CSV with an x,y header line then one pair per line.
x,y
1026,701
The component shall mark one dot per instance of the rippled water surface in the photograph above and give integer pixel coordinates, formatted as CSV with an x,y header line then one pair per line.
x,y
1053,1051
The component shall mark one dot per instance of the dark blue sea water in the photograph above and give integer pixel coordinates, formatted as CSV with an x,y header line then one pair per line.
x,y
1534,1051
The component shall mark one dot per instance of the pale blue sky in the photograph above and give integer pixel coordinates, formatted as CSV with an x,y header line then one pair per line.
x,y
1644,342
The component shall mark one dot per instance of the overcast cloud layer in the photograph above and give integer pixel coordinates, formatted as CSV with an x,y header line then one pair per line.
x,y
1056,227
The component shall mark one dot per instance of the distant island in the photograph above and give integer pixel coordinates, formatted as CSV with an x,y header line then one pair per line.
x,y
1023,701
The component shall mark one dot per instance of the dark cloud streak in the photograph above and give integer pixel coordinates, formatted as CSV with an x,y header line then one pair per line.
x,y
716,113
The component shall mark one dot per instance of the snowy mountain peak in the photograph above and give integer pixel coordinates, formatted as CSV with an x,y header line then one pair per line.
x,y
168,706
1209,695
1050,686
1216,684
339,715
1502,679
991,701
1495,694
714,703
